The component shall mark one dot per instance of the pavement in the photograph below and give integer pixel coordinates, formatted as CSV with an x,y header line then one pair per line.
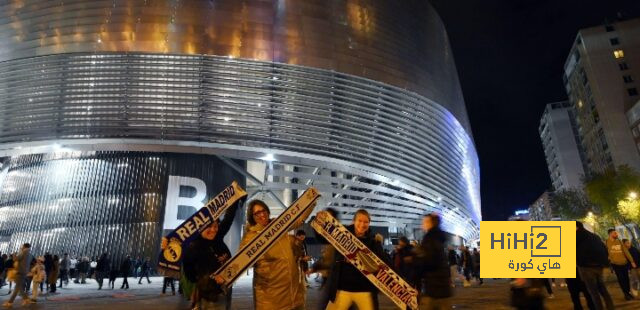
x,y
494,294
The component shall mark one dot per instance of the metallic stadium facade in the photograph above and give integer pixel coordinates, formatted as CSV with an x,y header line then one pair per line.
x,y
360,99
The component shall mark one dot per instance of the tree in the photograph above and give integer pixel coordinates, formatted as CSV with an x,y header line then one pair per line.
x,y
609,189
572,204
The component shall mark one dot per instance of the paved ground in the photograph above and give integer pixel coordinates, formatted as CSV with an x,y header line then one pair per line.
x,y
493,294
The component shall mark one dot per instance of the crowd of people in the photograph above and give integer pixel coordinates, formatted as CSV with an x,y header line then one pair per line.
x,y
432,266
25,274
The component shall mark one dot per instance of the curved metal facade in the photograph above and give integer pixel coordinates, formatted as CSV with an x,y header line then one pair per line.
x,y
359,97
88,203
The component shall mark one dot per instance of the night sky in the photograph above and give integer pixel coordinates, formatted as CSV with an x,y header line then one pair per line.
x,y
510,56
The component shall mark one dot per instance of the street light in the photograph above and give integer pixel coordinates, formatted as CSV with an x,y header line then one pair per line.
x,y
633,195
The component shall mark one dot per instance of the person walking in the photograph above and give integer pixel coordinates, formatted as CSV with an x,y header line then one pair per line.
x,y
137,263
73,265
591,258
102,269
575,287
301,254
476,265
276,274
125,268
347,285
83,270
92,268
620,260
202,257
432,263
38,276
467,265
144,270
52,277
21,265
9,270
453,265
402,260
635,272
65,265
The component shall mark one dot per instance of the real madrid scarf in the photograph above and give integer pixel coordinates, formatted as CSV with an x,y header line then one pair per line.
x,y
370,265
172,245
259,245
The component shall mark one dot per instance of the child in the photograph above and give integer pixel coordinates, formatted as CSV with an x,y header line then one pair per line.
x,y
113,274
38,274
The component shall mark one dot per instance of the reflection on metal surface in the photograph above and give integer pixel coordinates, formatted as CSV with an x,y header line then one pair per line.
x,y
92,202
362,94
402,43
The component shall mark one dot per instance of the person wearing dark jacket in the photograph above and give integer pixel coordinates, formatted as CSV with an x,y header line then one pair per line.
x,y
433,265
206,254
591,257
453,265
145,269
635,272
402,260
125,268
347,285
102,269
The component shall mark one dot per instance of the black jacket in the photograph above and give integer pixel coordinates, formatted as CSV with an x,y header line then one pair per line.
x,y
404,269
345,276
590,250
103,264
125,267
432,260
204,257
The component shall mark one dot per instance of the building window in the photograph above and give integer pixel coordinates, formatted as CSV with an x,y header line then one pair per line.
x,y
614,41
632,91
627,79
618,54
623,66
609,28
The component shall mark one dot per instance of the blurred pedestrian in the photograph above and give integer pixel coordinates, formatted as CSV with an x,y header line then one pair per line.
x,y
144,270
102,269
476,265
125,269
65,265
620,260
402,259
432,264
38,276
591,258
18,275
635,272
467,265
453,259
52,277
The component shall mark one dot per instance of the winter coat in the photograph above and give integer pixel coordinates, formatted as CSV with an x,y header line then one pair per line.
x,y
203,257
24,262
37,272
103,264
125,267
590,250
277,278
65,263
401,266
433,264
345,276
53,274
